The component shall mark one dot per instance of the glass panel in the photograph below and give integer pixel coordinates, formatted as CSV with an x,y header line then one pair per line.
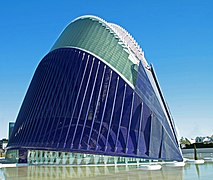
x,y
146,127
93,107
100,109
116,116
125,120
47,101
74,102
80,103
132,148
107,113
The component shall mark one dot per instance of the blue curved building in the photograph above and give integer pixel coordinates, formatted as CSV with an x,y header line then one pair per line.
x,y
94,99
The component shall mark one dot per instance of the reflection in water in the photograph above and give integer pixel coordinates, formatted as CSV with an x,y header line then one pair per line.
x,y
91,172
201,152
190,171
2,176
197,170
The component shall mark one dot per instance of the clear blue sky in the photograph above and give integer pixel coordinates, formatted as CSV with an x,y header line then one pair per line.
x,y
176,35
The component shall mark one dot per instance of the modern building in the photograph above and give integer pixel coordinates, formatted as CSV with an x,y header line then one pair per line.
x,y
94,99
11,126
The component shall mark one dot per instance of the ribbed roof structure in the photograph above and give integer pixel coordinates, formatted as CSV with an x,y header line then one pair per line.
x,y
106,40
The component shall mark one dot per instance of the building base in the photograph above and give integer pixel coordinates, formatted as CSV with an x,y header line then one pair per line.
x,y
42,157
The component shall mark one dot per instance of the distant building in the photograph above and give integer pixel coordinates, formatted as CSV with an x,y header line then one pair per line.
x,y
207,140
199,139
11,126
3,143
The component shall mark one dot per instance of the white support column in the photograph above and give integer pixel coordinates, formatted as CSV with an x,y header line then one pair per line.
x,y
41,157
137,160
87,159
46,157
79,159
126,161
51,157
36,157
72,158
29,158
64,157
96,159
58,159
115,160
105,159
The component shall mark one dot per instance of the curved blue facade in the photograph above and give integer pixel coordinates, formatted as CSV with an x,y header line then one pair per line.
x,y
77,103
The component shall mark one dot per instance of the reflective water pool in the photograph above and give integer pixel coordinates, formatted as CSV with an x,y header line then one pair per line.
x,y
190,171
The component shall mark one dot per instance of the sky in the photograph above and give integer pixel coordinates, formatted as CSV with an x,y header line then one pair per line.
x,y
176,36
